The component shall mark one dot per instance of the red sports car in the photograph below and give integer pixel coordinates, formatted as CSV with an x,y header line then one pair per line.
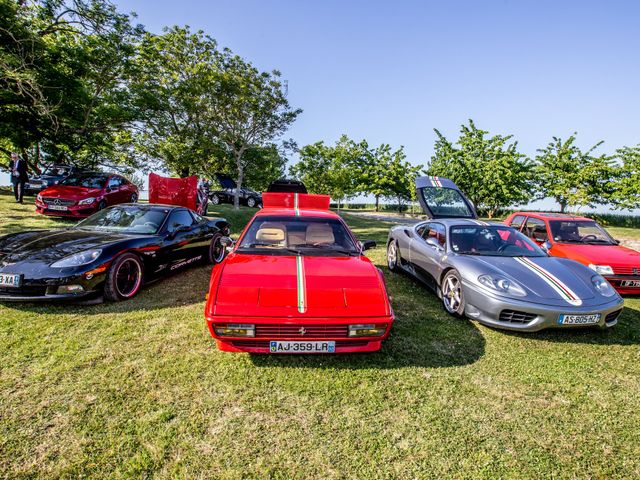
x,y
583,240
297,281
82,194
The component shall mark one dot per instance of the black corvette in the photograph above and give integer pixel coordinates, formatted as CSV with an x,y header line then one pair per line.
x,y
111,253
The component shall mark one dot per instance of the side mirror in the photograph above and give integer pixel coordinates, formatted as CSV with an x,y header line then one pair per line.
x,y
539,237
368,244
180,229
546,246
616,241
432,242
108,189
227,242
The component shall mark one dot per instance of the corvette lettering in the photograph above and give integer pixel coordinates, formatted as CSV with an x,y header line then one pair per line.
x,y
186,262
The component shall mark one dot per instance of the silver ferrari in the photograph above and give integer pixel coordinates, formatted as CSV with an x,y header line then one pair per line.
x,y
492,273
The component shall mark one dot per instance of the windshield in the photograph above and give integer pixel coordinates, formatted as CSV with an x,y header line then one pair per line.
x,y
126,219
581,231
85,180
57,171
493,241
277,235
446,202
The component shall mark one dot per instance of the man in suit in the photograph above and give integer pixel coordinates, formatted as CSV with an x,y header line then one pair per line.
x,y
18,169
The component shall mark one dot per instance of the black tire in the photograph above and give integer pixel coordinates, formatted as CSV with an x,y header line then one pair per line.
x,y
393,256
217,251
215,199
251,202
102,205
452,294
134,197
124,278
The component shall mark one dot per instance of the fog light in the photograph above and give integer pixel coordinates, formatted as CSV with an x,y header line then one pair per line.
x,y
235,330
70,289
367,329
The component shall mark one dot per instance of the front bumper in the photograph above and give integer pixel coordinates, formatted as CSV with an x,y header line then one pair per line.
x,y
266,331
47,289
494,311
73,211
616,282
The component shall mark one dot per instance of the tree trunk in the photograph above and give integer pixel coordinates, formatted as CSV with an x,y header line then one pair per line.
x,y
184,173
239,180
377,203
563,204
338,205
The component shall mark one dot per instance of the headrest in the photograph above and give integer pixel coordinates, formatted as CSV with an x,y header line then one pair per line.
x,y
271,233
320,233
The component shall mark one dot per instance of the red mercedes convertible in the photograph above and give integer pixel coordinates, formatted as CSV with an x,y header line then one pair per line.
x,y
296,281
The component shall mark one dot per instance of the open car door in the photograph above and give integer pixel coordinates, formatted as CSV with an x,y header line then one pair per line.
x,y
441,198
226,181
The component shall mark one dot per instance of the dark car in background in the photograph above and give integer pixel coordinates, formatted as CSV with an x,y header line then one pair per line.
x,y
85,193
51,175
112,253
248,197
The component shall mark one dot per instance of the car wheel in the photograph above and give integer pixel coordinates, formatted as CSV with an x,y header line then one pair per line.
x,y
215,199
452,295
251,202
217,250
134,198
393,256
102,205
124,278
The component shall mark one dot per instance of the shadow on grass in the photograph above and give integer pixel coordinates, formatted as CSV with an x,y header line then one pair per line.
x,y
625,332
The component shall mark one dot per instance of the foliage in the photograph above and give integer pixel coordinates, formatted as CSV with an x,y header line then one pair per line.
x,y
64,67
332,170
627,189
491,171
574,178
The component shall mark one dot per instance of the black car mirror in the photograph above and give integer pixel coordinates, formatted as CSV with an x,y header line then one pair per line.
x,y
177,230
366,245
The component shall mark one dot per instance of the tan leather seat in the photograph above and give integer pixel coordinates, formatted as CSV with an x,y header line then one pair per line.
x,y
271,233
321,233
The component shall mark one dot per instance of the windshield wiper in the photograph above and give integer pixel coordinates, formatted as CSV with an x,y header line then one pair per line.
x,y
325,248
254,245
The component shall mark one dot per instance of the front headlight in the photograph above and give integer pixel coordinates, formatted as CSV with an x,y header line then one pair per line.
x,y
235,330
78,259
87,201
39,198
367,330
601,269
602,286
502,285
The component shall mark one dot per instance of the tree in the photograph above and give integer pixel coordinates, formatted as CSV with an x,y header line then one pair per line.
x,y
63,72
572,177
173,74
247,109
627,191
332,170
490,170
401,178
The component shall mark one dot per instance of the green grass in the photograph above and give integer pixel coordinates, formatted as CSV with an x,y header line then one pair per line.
x,y
137,389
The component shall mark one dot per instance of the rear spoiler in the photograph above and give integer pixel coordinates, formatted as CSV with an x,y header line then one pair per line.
x,y
295,201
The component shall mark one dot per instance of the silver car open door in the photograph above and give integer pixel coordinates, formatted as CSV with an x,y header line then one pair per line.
x,y
441,198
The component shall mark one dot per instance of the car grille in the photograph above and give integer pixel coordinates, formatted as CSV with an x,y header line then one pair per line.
x,y
301,331
24,291
612,317
513,316
627,270
265,343
58,201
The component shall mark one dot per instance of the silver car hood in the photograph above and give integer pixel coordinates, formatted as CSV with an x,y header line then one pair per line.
x,y
549,280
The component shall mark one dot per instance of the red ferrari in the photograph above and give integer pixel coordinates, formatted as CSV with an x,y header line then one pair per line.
x,y
84,193
297,281
584,240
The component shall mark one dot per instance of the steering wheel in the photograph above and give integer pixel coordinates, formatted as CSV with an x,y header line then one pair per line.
x,y
151,225
586,237
506,246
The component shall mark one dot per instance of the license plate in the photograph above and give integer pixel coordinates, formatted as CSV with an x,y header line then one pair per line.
x,y
579,319
630,283
9,280
57,207
302,347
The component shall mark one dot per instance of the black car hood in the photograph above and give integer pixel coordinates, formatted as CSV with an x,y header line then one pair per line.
x,y
49,246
